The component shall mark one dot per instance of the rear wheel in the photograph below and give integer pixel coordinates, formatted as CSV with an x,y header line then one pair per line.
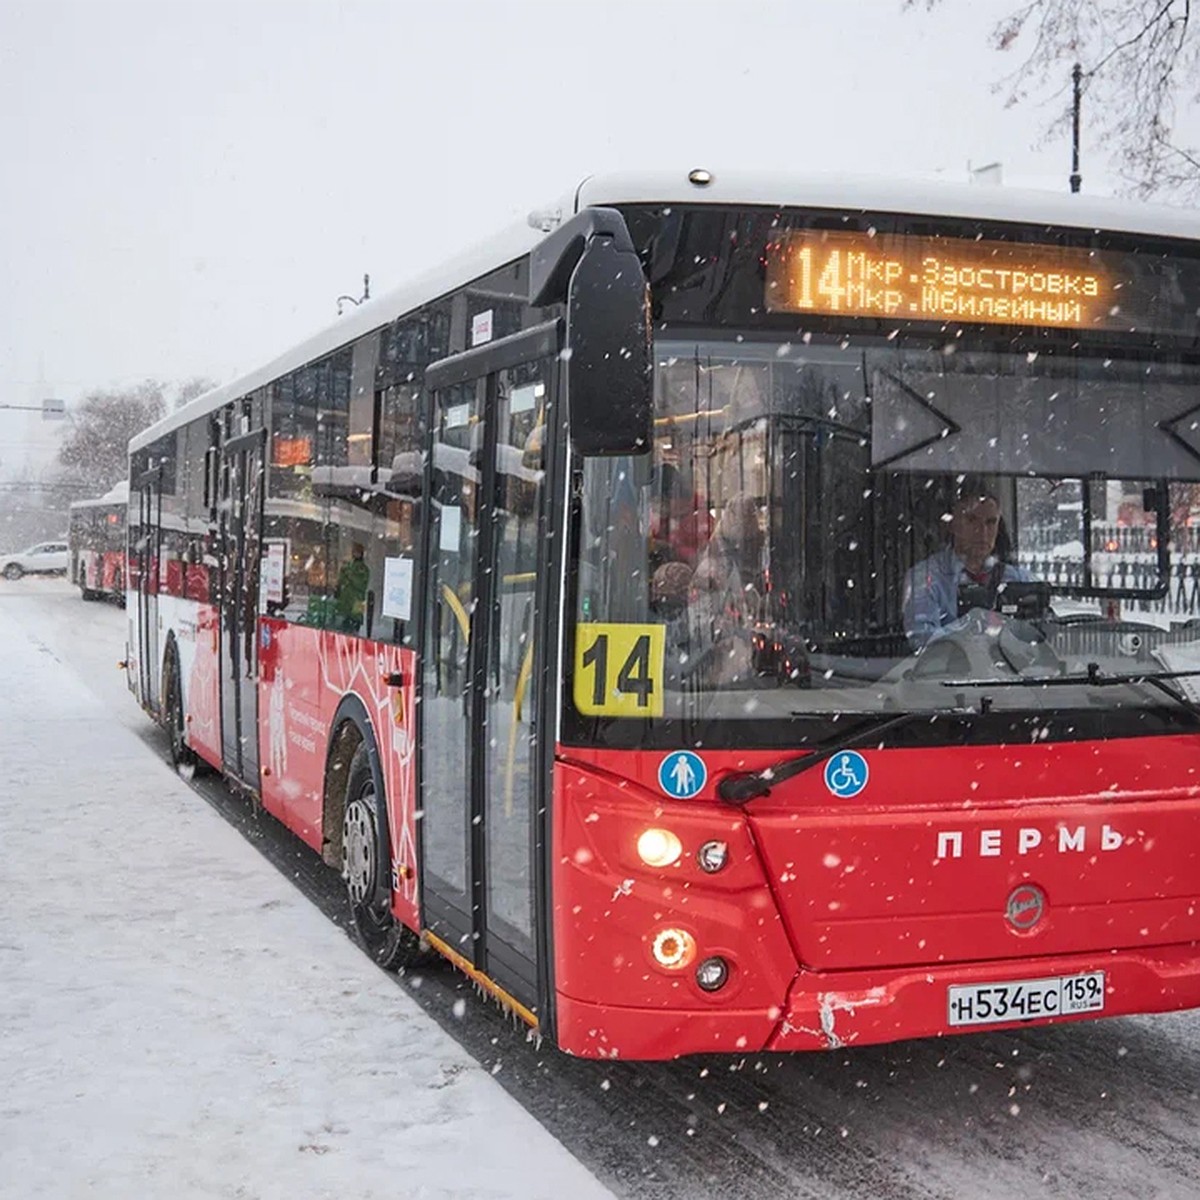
x,y
366,868
182,756
13,571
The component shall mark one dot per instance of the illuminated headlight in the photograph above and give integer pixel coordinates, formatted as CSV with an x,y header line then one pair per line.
x,y
712,856
658,847
712,974
674,948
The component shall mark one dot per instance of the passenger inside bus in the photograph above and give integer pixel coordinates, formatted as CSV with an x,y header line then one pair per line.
x,y
974,557
680,525
351,595
731,561
669,588
728,589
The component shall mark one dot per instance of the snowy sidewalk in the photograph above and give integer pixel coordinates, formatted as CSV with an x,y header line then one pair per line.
x,y
176,1020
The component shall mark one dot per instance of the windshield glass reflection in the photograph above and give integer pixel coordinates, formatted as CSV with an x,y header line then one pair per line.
x,y
808,549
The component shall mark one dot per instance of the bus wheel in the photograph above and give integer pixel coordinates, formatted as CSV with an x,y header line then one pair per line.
x,y
182,756
365,868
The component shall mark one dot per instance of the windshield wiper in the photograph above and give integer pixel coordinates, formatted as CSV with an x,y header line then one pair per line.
x,y
1093,677
748,785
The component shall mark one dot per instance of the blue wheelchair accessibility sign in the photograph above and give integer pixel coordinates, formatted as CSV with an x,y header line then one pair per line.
x,y
846,773
682,774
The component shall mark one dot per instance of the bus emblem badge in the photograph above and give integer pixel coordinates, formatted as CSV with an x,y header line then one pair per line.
x,y
682,774
1025,907
846,774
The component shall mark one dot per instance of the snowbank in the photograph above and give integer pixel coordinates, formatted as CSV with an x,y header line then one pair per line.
x,y
177,1020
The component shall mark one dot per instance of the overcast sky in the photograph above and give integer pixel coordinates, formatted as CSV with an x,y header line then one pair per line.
x,y
188,185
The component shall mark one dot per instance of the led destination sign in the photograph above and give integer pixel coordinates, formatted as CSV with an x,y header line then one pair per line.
x,y
833,273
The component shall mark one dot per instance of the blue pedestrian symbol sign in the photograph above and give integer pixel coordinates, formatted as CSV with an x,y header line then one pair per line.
x,y
682,774
846,773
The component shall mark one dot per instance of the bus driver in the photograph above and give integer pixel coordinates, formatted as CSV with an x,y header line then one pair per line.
x,y
931,587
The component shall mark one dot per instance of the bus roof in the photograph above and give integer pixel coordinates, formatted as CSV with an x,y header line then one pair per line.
x,y
117,494
929,196
913,196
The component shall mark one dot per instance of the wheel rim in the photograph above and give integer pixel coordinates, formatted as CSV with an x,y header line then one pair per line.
x,y
359,845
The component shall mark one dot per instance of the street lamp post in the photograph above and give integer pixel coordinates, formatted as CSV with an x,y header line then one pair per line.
x,y
1076,79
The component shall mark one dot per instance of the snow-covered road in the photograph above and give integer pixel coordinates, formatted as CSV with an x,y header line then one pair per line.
x,y
177,1019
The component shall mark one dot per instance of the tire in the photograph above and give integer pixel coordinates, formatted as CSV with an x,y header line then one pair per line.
x,y
171,715
366,870
13,571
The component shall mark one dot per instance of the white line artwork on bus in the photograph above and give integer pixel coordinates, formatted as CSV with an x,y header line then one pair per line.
x,y
355,666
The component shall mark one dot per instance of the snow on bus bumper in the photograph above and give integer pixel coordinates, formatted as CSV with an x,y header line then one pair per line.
x,y
591,1030
830,1010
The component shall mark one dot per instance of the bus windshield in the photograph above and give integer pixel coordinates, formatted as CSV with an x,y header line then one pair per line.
x,y
854,526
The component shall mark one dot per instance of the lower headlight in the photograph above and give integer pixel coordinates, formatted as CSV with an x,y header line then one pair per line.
x,y
673,948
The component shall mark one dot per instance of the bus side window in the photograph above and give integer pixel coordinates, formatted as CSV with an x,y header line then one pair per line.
x,y
407,348
294,514
400,478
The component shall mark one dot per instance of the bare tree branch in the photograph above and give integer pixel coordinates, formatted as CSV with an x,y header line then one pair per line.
x,y
94,449
1141,67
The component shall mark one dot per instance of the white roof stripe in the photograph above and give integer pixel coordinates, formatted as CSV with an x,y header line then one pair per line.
x,y
853,193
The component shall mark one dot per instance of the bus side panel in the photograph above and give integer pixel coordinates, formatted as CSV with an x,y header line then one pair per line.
x,y
197,634
85,572
382,676
194,627
203,696
292,737
112,573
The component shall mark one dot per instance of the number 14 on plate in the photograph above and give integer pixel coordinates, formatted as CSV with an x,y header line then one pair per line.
x,y
619,670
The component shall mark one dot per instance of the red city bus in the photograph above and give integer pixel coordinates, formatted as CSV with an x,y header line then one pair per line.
x,y
696,615
96,537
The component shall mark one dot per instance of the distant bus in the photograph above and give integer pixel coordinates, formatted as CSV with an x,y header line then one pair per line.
x,y
728,614
96,538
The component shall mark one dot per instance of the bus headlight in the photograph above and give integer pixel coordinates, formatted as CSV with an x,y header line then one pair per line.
x,y
674,948
658,847
712,856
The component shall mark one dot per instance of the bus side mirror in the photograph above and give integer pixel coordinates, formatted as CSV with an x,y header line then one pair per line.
x,y
590,263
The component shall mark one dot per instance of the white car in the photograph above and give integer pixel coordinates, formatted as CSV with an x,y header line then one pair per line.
x,y
46,558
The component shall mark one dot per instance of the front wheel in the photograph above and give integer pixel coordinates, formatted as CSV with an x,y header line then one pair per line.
x,y
13,571
366,870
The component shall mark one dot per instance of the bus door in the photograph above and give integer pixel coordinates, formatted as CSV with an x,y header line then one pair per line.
x,y
240,532
146,553
483,728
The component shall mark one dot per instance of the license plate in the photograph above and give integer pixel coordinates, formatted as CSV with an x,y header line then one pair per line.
x,y
1026,1000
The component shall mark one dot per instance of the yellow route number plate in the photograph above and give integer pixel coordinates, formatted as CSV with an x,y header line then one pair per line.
x,y
619,670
